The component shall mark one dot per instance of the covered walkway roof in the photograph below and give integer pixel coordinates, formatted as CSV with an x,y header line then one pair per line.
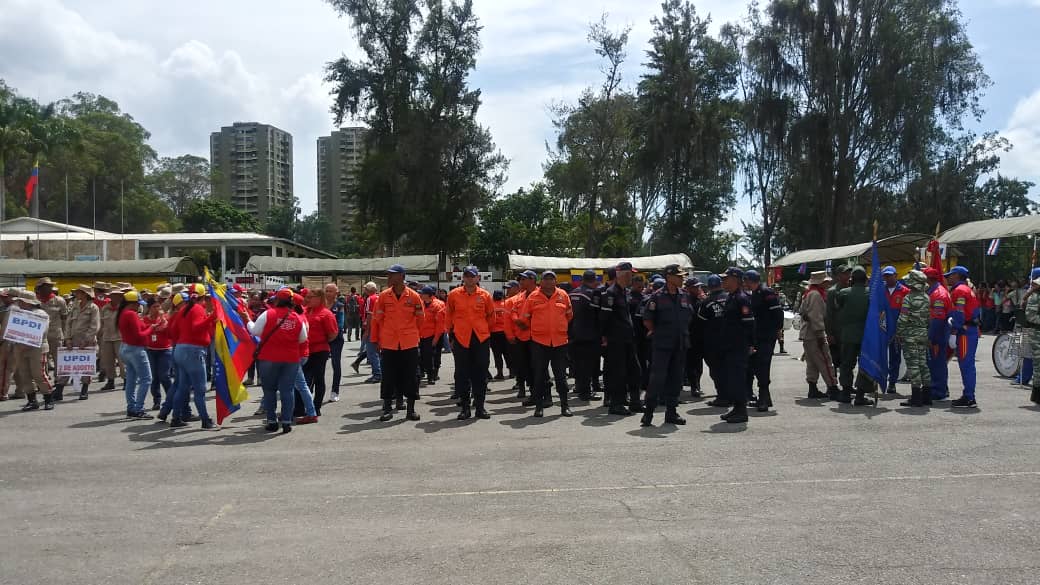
x,y
159,266
273,265
989,229
892,249
520,262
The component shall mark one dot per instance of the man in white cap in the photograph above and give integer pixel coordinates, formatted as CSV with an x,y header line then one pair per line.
x,y
813,336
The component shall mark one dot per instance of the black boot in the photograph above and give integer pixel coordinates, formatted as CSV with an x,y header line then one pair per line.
x,y
844,397
814,392
671,416
564,408
83,391
388,411
412,415
59,393
465,413
521,391
647,420
738,414
862,400
833,394
765,400
926,396
915,398
111,385
31,403
48,402
1035,396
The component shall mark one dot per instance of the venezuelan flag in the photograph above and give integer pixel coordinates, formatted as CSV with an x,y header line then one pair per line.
x,y
30,185
234,348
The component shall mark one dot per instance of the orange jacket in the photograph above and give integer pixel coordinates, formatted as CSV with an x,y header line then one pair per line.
x,y
433,322
467,314
513,331
548,317
498,324
397,320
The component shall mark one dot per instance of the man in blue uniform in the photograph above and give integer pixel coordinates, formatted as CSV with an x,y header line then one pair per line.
x,y
894,293
667,320
695,355
709,313
583,333
736,344
617,335
769,320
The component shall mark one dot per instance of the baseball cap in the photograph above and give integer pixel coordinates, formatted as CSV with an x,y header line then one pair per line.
x,y
933,273
674,270
395,269
589,275
859,269
752,276
498,295
888,271
512,284
284,293
625,266
427,290
734,272
528,274
471,271
659,283
297,299
548,274
692,281
958,270
714,281
843,268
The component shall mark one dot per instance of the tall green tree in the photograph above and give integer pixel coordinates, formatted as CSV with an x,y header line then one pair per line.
x,y
178,181
429,164
282,220
525,222
216,215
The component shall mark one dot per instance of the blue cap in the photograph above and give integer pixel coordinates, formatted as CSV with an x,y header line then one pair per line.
x,y
589,275
714,281
528,274
1034,274
548,274
752,276
471,271
625,266
958,270
498,295
427,290
512,284
734,272
395,269
659,283
655,276
888,271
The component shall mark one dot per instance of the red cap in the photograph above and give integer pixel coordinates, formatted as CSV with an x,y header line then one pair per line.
x,y
933,273
238,288
284,293
304,292
297,300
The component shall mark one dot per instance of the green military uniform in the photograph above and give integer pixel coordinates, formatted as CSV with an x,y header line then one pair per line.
x,y
913,334
853,303
1033,329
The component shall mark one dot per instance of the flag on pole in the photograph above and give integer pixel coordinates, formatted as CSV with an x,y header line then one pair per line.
x,y
828,267
34,179
234,348
873,354
803,268
994,245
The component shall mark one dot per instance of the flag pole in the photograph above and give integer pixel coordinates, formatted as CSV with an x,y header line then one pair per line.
x,y
67,217
877,397
93,208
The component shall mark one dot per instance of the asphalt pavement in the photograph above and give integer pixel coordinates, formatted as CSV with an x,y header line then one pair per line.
x,y
814,492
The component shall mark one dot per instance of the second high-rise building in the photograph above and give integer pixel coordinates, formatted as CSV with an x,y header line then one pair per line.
x,y
339,159
252,167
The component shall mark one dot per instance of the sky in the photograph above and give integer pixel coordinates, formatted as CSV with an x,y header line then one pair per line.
x,y
184,69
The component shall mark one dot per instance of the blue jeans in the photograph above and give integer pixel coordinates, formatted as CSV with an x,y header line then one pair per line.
x,y
138,376
277,380
305,392
190,362
160,360
373,357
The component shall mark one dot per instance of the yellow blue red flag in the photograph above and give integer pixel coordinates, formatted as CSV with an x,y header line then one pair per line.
x,y
233,346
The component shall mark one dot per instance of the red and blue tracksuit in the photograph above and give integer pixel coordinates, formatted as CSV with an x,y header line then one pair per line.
x,y
965,316
895,352
938,332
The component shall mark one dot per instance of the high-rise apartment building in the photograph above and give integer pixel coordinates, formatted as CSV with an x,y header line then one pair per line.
x,y
253,167
339,159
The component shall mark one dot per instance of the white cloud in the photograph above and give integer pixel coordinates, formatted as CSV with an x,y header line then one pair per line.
x,y
1023,131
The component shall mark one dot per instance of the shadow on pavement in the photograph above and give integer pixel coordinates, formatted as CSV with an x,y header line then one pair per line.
x,y
156,435
867,411
654,432
373,424
432,426
530,421
810,402
725,427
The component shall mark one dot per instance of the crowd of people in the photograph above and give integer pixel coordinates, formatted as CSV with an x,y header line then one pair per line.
x,y
645,337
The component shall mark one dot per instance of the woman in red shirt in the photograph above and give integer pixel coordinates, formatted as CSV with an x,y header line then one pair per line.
x,y
321,329
160,351
281,332
191,334
134,333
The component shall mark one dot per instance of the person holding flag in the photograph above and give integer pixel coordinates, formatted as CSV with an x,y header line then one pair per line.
x,y
191,333
964,319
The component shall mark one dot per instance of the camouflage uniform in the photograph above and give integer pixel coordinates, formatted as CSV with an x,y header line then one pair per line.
x,y
913,331
1033,330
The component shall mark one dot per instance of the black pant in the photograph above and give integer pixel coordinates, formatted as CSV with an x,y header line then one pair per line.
x,y
643,346
758,367
429,351
584,359
352,324
399,366
542,356
717,372
471,365
735,364
500,349
336,355
622,372
314,374
836,356
694,367
522,362
666,378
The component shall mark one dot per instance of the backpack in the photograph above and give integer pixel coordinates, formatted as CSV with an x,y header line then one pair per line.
x,y
352,305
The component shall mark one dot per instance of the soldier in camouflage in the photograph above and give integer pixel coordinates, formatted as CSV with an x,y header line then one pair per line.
x,y
1033,328
913,337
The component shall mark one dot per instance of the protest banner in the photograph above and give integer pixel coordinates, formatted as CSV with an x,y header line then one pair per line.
x,y
25,327
77,362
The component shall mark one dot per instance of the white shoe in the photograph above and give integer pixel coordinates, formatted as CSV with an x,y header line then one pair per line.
x,y
335,397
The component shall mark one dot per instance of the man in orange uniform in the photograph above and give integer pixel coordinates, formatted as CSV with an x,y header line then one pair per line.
x,y
430,334
469,313
547,312
396,321
522,334
499,344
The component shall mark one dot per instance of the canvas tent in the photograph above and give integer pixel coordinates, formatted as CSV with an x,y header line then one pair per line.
x,y
991,229
891,250
642,263
421,264
69,273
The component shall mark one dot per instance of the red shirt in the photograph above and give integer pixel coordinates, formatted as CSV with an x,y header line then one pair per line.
x,y
321,324
281,345
498,324
194,326
966,303
940,302
548,316
133,331
159,338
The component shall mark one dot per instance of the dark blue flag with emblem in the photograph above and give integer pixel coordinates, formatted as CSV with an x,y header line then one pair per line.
x,y
873,353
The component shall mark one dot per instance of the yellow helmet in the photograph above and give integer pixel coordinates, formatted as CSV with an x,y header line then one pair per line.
x,y
177,299
199,289
131,296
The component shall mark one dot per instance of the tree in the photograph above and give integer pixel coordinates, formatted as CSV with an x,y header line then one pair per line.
x,y
216,215
524,222
180,180
429,164
282,219
314,230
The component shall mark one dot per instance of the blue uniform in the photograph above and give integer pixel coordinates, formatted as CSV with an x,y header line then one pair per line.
x,y
670,314
965,316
